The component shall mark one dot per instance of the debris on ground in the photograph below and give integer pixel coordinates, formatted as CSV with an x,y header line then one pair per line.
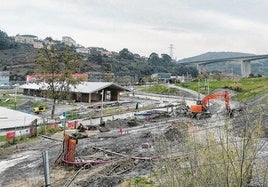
x,y
103,129
101,181
79,135
124,123
81,128
147,134
134,122
177,131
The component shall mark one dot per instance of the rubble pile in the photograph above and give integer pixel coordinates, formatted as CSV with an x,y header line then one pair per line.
x,y
121,166
176,132
102,181
124,123
147,134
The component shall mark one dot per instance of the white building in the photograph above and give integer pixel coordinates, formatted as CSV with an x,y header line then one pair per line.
x,y
38,44
68,41
16,121
27,39
83,50
4,77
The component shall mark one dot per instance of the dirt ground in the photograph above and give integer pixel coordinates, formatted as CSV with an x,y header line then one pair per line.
x,y
130,153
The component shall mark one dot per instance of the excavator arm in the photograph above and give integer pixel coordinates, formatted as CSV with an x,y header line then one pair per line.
x,y
224,95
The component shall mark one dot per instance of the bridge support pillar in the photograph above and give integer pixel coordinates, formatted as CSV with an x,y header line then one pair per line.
x,y
245,68
198,67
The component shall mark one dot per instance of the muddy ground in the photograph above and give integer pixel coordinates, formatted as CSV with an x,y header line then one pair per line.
x,y
131,154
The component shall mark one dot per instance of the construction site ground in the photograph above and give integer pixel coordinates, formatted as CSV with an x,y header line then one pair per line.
x,y
127,150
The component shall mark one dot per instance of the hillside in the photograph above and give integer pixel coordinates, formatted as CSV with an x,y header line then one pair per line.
x,y
19,61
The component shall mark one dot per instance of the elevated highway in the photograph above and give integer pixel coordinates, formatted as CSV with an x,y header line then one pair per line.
x,y
244,61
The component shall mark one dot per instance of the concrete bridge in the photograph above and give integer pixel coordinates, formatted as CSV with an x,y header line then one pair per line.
x,y
244,60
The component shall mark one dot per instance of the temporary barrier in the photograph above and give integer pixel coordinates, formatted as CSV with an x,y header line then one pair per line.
x,y
23,132
71,124
32,130
10,135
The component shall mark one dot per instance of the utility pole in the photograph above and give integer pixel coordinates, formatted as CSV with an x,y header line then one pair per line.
x,y
171,47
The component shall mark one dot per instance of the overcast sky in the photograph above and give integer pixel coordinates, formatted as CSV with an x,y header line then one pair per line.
x,y
144,26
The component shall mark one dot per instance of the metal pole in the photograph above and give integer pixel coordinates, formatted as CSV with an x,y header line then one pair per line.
x,y
102,93
208,86
15,103
46,168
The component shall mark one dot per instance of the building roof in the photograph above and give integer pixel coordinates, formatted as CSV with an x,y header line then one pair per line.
x,y
28,35
13,119
84,87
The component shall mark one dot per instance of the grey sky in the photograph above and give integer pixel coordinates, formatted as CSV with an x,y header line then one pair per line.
x,y
144,26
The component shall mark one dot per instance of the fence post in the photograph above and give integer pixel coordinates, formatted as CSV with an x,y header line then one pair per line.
x,y
46,168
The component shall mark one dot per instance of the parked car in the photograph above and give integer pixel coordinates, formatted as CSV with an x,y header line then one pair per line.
x,y
39,109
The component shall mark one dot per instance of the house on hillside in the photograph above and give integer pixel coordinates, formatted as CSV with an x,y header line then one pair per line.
x,y
4,77
162,77
85,92
83,50
38,77
29,39
68,41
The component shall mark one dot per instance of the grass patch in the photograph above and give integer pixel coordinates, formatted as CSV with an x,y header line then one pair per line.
x,y
2,138
160,89
7,98
140,182
18,140
247,88
46,130
70,115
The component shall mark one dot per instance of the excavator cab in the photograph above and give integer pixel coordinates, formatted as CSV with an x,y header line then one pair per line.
x,y
196,108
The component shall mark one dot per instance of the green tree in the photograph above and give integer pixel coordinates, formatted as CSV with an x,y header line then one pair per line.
x,y
95,57
126,54
5,42
56,68
166,59
154,59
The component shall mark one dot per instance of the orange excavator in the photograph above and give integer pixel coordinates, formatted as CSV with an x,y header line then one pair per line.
x,y
200,110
